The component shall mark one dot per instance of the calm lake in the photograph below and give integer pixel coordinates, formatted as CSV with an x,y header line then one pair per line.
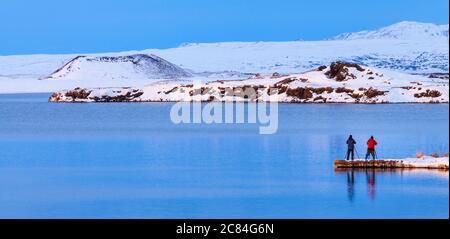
x,y
130,161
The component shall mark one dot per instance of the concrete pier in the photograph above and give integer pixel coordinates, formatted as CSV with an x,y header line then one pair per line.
x,y
380,163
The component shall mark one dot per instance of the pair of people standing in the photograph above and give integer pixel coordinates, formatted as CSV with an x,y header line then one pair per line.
x,y
351,147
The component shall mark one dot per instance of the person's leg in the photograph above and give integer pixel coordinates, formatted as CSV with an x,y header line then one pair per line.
x,y
348,154
353,154
373,154
367,154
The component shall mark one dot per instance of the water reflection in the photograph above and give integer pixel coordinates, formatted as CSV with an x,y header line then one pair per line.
x,y
350,185
370,175
370,179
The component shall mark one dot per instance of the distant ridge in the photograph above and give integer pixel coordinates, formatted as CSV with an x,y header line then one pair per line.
x,y
405,30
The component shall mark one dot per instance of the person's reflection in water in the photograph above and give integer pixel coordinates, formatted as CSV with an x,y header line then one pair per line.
x,y
350,185
370,177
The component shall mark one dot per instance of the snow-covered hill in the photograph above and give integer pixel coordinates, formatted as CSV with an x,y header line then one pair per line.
x,y
338,83
403,30
139,66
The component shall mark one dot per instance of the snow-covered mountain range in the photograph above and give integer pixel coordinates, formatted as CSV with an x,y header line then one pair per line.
x,y
407,47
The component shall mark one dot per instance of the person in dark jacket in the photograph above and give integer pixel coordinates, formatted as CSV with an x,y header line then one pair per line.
x,y
351,147
371,147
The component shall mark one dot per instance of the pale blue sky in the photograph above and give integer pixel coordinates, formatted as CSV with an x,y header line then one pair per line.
x,y
84,26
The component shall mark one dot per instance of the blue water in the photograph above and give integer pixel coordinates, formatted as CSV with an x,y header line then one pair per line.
x,y
130,161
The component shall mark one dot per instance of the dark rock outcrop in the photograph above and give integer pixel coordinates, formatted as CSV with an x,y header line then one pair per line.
x,y
339,71
428,93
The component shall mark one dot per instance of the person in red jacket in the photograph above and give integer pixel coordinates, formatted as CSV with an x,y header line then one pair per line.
x,y
371,147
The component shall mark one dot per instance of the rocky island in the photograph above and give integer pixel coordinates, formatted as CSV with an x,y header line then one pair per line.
x,y
340,82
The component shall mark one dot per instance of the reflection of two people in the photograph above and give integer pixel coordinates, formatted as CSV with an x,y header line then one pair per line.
x,y
370,180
